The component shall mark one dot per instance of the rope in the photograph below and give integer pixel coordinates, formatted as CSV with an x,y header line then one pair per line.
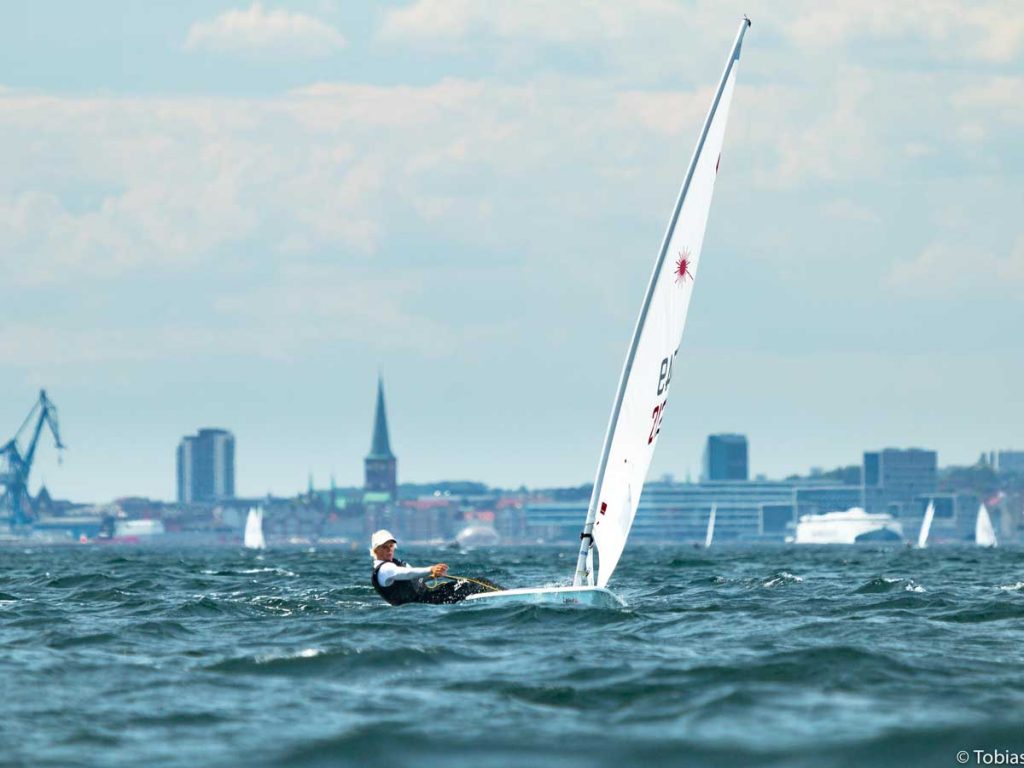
x,y
484,584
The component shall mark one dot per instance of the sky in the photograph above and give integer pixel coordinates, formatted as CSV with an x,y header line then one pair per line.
x,y
236,214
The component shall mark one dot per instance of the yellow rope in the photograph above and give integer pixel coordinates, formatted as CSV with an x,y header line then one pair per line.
x,y
490,587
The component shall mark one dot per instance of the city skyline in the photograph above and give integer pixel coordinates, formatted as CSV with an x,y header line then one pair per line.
x,y
239,213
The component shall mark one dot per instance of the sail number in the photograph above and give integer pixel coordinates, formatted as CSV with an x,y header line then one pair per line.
x,y
664,379
665,375
659,411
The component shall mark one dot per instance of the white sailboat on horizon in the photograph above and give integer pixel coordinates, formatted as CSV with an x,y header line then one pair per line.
x,y
253,538
710,535
926,526
642,395
984,533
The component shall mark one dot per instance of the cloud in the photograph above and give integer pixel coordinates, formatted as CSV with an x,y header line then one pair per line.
x,y
305,307
168,184
450,21
848,210
944,270
643,30
256,30
514,181
310,305
835,142
172,183
916,149
1000,97
988,32
119,199
636,43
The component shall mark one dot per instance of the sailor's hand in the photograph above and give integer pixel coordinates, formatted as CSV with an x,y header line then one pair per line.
x,y
438,570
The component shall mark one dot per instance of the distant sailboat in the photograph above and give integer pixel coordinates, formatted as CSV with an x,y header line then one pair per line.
x,y
926,526
254,529
642,396
711,527
984,533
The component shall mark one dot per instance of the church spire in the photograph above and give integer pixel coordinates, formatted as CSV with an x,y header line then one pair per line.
x,y
381,462
380,448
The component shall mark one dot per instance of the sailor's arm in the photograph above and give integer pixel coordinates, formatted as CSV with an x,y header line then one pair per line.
x,y
389,573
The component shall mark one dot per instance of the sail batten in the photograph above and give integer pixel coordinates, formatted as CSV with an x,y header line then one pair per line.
x,y
642,395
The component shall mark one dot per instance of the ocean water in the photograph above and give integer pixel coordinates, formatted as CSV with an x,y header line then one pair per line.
x,y
738,656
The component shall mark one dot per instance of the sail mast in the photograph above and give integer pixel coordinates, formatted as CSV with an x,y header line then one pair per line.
x,y
584,570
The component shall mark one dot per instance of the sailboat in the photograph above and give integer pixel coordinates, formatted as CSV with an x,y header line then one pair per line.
x,y
926,526
254,529
642,395
984,533
711,527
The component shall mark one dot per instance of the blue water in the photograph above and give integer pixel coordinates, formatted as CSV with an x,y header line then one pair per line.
x,y
753,656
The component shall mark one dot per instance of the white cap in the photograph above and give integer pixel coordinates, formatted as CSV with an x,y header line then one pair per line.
x,y
383,536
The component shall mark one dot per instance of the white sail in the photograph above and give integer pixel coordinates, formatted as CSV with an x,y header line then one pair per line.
x,y
643,394
711,527
254,529
926,526
984,533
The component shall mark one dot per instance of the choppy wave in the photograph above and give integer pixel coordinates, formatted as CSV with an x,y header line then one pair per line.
x,y
781,579
757,656
884,584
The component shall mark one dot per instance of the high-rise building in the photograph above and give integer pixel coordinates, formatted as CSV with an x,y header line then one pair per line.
x,y
381,464
894,477
1008,462
725,458
206,466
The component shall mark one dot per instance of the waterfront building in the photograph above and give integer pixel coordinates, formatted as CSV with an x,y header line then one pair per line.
x,y
1008,462
380,464
206,466
758,510
893,478
725,458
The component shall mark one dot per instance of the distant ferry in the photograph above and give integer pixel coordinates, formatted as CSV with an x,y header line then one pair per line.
x,y
478,536
854,526
137,531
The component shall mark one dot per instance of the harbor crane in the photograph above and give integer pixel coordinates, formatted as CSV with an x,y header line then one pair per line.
x,y
15,465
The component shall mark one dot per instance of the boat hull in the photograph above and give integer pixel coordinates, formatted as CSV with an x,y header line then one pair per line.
x,y
598,597
850,527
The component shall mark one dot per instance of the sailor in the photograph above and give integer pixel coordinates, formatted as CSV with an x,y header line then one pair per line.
x,y
398,582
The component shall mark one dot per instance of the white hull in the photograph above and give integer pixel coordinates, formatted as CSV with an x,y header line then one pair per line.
x,y
847,528
594,596
140,528
478,536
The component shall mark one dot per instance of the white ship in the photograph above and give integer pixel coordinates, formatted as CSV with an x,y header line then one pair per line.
x,y
134,529
850,527
478,536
